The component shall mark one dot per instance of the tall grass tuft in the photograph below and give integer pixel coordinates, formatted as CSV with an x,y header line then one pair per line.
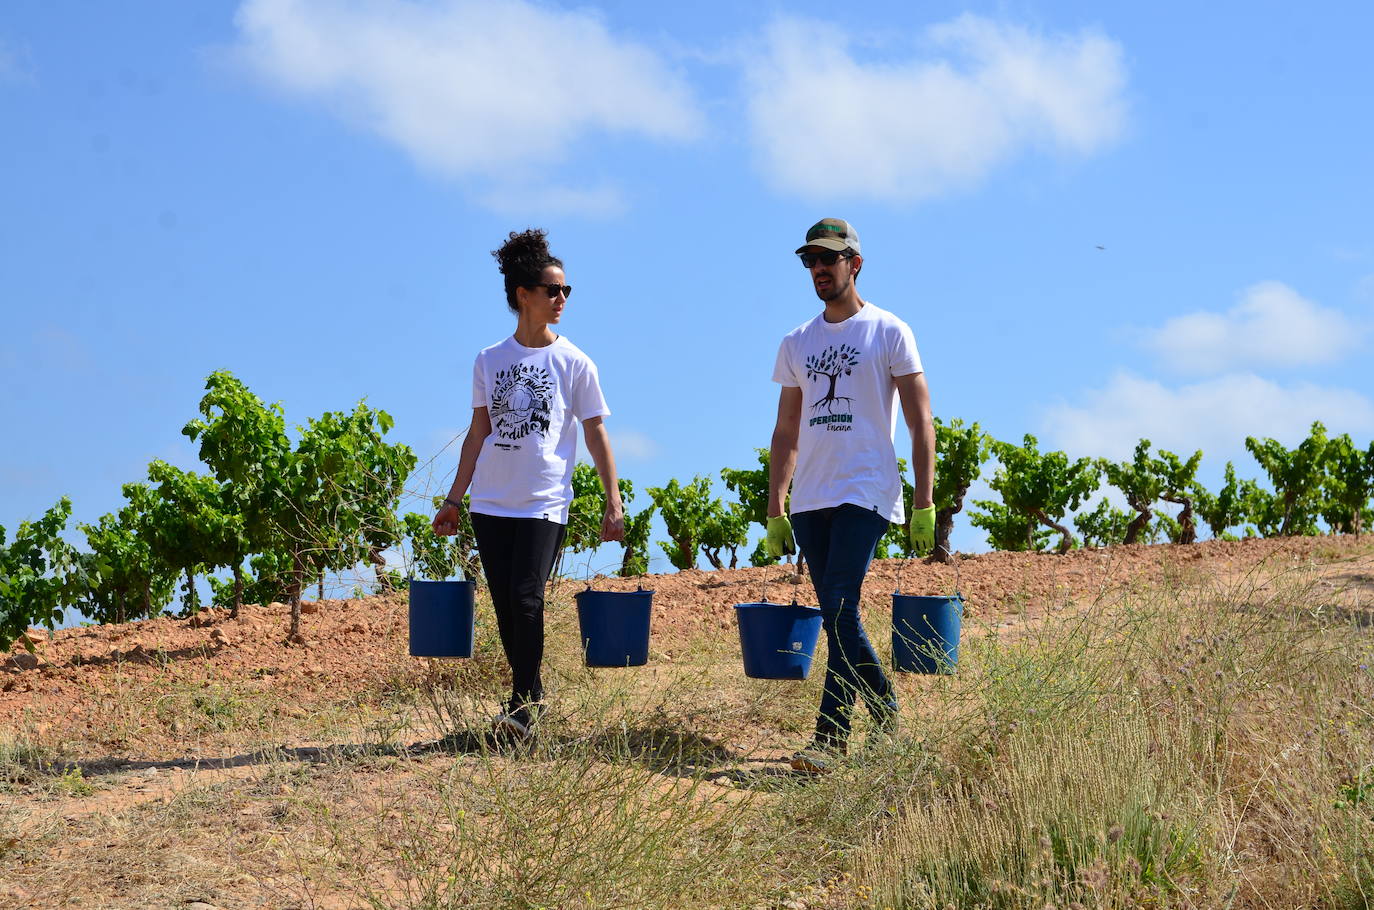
x,y
1188,747
1105,814
22,756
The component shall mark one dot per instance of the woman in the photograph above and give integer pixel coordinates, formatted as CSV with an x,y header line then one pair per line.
x,y
517,462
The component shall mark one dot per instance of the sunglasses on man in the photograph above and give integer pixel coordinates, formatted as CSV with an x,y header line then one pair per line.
x,y
829,257
553,290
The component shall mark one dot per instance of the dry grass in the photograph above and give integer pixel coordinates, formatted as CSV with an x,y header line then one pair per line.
x,y
1202,743
1197,747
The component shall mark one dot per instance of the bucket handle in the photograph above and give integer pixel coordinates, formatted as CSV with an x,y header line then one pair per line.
x,y
411,563
638,577
954,560
764,597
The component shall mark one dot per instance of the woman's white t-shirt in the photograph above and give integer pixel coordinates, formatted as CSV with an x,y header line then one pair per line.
x,y
846,371
532,395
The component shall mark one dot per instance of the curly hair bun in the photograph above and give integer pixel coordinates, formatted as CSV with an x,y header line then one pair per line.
x,y
522,259
523,251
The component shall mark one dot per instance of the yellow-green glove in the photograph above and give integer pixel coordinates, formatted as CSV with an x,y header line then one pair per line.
x,y
779,543
923,530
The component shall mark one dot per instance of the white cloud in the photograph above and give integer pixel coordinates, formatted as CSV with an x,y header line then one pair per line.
x,y
1214,415
467,88
13,67
627,443
827,124
539,202
1272,325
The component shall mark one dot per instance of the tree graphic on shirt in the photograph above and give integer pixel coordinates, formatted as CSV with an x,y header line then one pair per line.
x,y
520,401
832,363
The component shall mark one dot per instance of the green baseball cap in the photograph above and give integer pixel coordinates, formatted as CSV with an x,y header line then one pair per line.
x,y
832,234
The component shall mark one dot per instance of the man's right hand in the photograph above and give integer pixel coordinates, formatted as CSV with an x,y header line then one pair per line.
x,y
445,524
779,542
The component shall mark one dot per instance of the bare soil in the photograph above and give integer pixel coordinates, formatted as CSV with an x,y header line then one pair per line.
x,y
357,645
125,715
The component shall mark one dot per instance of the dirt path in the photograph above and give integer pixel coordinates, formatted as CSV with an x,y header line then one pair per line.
x,y
98,689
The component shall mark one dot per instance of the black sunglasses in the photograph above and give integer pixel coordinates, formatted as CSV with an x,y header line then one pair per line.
x,y
553,290
829,257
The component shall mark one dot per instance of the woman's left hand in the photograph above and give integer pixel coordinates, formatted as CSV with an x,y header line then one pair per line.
x,y
613,524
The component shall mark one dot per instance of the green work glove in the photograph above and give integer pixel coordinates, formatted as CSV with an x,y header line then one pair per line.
x,y
923,530
779,542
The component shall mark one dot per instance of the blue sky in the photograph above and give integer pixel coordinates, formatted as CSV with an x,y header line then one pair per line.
x,y
1102,223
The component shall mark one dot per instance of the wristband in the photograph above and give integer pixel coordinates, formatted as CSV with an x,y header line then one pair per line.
x,y
450,502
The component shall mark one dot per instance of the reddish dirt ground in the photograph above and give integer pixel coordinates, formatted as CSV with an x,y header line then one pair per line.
x,y
351,644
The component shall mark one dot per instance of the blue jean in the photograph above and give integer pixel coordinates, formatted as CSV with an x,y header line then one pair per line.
x,y
838,544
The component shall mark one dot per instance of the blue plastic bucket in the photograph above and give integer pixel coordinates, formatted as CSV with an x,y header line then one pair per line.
x,y
441,618
925,633
615,627
777,640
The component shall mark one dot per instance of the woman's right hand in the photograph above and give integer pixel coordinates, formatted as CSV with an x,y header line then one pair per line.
x,y
445,524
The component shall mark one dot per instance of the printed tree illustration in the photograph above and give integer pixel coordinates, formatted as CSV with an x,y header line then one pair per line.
x,y
832,364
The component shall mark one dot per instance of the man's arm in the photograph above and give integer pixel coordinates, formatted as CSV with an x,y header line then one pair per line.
x,y
915,399
782,455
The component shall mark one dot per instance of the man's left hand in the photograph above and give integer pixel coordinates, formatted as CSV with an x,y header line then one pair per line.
x,y
923,530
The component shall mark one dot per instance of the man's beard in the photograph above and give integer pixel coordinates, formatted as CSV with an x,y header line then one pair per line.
x,y
835,290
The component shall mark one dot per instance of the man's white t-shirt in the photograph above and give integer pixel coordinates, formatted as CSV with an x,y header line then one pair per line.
x,y
532,395
846,371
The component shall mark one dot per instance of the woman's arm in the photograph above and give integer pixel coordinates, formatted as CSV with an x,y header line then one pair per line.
x,y
446,522
599,447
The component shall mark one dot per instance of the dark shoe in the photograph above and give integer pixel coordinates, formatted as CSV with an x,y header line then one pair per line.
x,y
509,726
515,724
818,757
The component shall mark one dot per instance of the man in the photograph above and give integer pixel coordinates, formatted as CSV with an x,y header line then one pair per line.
x,y
840,373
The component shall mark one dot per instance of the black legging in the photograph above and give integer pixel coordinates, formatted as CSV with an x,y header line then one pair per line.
x,y
517,558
